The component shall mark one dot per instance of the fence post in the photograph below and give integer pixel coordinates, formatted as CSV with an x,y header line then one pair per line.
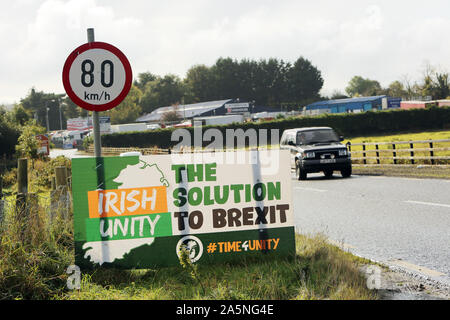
x,y
394,153
431,153
22,190
378,154
364,154
22,176
61,192
411,145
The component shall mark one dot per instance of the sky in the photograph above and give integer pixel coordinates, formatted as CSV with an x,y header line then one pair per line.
x,y
380,40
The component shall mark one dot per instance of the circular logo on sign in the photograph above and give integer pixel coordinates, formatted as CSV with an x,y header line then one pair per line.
x,y
97,76
193,245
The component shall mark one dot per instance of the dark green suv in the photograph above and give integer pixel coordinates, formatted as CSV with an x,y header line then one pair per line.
x,y
316,149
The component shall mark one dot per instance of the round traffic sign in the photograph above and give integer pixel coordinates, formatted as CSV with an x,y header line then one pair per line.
x,y
97,76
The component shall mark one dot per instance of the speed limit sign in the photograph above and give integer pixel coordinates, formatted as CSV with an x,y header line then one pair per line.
x,y
97,76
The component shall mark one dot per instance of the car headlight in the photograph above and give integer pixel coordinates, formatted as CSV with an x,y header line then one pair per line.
x,y
310,154
343,152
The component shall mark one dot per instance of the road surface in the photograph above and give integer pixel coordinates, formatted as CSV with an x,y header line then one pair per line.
x,y
69,153
398,221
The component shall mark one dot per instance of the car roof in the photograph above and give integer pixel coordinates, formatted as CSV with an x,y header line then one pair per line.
x,y
306,129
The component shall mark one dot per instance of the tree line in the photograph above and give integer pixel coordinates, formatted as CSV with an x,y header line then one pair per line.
x,y
434,84
268,82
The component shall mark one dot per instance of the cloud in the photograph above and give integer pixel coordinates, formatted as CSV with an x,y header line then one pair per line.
x,y
56,28
381,40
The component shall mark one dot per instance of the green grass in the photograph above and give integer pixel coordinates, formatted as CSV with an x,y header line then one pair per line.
x,y
386,151
429,135
318,271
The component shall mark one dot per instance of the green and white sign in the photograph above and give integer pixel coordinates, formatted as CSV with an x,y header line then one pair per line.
x,y
138,212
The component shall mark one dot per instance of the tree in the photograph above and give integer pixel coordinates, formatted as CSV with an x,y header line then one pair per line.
x,y
20,115
28,145
396,89
225,79
143,79
171,115
338,95
359,86
37,103
441,86
129,109
162,92
199,84
304,82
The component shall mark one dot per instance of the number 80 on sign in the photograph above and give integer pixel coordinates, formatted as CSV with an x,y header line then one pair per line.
x,y
97,76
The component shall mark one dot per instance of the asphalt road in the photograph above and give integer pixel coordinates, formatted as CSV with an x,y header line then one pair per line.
x,y
398,221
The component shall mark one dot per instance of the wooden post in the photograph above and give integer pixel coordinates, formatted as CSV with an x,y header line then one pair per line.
x,y
22,176
394,153
431,153
378,154
61,177
364,154
61,192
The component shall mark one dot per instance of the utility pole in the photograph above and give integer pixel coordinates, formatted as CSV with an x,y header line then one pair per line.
x,y
47,108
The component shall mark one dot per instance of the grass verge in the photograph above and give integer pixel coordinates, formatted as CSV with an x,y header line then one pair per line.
x,y
34,258
318,271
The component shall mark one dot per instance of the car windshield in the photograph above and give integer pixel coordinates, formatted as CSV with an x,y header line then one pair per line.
x,y
316,136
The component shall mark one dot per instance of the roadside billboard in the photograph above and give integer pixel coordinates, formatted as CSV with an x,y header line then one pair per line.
x,y
139,211
44,147
84,124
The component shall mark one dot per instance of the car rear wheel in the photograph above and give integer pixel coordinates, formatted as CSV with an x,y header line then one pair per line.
x,y
301,174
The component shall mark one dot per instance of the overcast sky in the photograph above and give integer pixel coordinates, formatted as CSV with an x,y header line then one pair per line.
x,y
381,40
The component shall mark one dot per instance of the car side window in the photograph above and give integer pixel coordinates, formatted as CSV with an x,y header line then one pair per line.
x,y
291,138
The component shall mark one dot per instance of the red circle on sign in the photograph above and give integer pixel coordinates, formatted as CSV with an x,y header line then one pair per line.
x,y
86,105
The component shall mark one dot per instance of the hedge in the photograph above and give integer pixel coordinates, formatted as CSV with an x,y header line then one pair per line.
x,y
347,124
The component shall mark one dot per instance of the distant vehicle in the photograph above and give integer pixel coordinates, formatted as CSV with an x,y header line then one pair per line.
x,y
316,149
219,120
129,127
185,124
153,126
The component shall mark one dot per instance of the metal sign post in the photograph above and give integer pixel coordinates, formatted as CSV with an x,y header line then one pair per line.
x,y
95,119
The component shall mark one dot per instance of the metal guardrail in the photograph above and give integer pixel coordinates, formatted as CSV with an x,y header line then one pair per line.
x,y
401,152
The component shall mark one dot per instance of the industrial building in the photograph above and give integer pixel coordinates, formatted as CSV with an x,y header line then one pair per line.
x,y
424,104
205,109
188,111
352,105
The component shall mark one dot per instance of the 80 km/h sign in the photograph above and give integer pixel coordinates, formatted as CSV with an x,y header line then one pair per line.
x,y
97,76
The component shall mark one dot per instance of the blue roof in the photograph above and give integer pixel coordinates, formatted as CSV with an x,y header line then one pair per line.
x,y
345,101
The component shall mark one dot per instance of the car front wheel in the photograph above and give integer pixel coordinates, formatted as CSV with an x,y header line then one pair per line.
x,y
347,172
300,173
